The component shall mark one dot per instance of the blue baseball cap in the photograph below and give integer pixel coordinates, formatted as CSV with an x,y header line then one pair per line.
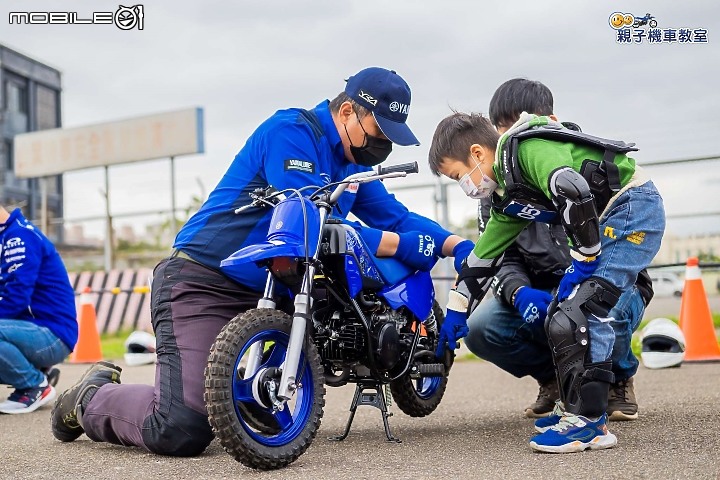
x,y
387,96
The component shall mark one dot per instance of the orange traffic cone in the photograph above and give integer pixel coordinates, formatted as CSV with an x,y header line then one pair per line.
x,y
88,348
696,322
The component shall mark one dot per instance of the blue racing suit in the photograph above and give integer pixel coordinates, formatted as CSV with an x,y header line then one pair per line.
x,y
292,149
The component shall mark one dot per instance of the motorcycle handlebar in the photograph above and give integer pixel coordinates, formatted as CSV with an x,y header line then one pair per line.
x,y
242,209
402,168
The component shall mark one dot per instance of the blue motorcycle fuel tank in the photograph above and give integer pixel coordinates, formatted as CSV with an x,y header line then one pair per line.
x,y
398,283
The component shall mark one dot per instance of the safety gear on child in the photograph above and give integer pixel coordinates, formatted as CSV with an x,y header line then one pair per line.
x,y
576,205
483,189
461,252
455,325
575,274
583,384
523,201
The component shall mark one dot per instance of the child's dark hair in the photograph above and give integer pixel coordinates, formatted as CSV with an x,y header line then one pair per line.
x,y
455,135
516,96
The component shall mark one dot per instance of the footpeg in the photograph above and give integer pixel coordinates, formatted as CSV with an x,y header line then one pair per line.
x,y
431,370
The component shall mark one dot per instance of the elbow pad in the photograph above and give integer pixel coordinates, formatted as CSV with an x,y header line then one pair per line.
x,y
576,205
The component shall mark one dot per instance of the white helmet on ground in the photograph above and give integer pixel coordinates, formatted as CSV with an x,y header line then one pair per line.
x,y
140,348
663,344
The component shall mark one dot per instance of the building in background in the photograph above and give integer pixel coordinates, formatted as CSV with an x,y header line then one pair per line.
x,y
30,93
675,249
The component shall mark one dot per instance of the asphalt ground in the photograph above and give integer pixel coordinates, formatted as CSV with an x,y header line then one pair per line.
x,y
478,431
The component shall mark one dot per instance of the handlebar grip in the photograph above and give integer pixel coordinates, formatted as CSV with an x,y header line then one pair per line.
x,y
242,209
403,167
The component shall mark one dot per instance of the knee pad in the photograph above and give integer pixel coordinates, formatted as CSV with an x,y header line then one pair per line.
x,y
581,383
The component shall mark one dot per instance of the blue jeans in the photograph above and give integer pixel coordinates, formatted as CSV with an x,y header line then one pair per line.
x,y
24,348
630,235
499,335
626,316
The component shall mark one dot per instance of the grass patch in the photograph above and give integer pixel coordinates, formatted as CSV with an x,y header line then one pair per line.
x,y
113,346
468,357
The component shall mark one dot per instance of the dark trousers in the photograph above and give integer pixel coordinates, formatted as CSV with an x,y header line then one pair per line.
x,y
190,305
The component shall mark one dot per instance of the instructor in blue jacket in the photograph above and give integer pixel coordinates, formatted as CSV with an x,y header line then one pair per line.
x,y
38,325
192,299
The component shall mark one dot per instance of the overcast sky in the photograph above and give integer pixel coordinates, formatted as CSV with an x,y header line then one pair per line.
x,y
241,61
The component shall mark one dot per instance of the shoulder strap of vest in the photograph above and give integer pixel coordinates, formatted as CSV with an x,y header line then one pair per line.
x,y
609,147
567,135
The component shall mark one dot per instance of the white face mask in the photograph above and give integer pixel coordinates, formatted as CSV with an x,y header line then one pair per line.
x,y
482,190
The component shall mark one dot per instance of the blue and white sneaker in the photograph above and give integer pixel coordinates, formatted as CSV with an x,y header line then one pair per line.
x,y
29,399
574,433
544,424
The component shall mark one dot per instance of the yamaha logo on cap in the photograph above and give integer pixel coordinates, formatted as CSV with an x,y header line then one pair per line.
x,y
387,96
399,107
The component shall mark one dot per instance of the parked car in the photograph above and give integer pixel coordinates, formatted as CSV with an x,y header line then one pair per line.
x,y
666,284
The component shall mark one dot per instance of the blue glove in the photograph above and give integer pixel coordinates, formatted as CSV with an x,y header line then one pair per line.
x,y
417,250
532,305
455,325
575,274
461,252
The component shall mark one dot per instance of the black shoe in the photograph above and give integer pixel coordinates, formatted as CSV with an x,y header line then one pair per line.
x,y
67,412
622,404
52,374
545,403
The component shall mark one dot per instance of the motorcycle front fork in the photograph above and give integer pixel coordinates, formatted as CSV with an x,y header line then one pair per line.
x,y
303,304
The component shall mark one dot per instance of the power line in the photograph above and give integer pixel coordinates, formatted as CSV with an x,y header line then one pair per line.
x,y
682,160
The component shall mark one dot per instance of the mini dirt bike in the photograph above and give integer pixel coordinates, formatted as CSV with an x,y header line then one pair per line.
x,y
646,20
357,319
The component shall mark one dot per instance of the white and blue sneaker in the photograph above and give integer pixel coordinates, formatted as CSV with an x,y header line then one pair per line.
x,y
574,433
544,424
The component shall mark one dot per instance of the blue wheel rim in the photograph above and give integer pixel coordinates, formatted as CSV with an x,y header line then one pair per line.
x,y
426,387
291,423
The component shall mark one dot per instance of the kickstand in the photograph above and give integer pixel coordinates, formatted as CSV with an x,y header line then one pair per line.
x,y
374,399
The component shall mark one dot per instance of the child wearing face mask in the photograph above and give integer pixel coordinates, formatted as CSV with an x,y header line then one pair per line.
x,y
613,215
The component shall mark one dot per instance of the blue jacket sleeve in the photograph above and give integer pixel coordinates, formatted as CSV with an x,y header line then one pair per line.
x,y
381,210
292,158
20,266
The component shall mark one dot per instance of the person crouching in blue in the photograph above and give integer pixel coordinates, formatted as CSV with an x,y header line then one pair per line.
x,y
38,322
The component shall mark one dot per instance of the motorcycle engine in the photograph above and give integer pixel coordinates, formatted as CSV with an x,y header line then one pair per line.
x,y
386,336
344,340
